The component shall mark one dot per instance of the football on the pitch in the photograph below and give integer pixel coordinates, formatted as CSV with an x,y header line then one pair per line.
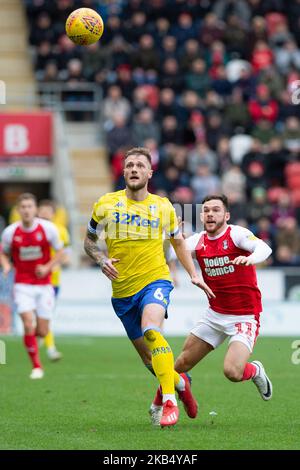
x,y
84,26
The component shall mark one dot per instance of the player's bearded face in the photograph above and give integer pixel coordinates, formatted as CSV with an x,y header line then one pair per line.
x,y
214,217
137,172
27,210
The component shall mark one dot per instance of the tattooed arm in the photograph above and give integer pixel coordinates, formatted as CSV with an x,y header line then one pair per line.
x,y
93,250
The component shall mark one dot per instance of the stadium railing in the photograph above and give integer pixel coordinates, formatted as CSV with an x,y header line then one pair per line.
x,y
69,97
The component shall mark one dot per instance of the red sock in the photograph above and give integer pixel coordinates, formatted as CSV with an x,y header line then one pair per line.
x,y
32,348
249,371
158,397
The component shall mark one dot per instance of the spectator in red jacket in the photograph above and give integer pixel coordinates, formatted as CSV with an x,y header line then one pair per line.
x,y
263,106
262,56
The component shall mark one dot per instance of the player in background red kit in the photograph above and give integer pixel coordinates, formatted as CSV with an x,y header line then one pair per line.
x,y
226,255
28,244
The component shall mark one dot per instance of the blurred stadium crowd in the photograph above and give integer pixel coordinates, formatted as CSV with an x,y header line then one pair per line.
x,y
209,86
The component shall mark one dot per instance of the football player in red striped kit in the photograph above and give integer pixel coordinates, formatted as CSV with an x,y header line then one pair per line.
x,y
28,243
226,255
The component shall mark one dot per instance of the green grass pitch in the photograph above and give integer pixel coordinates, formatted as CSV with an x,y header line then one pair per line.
x,y
98,396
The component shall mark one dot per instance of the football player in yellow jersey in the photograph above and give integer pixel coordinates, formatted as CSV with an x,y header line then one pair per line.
x,y
134,222
46,210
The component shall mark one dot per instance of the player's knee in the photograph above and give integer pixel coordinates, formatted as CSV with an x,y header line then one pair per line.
x,y
232,373
42,331
29,328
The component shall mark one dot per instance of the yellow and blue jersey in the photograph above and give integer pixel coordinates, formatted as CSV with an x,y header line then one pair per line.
x,y
134,233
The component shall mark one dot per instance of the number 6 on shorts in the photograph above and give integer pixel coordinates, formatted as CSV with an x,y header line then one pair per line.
x,y
158,294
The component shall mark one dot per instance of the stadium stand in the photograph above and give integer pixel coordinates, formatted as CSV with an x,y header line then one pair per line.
x,y
17,71
208,86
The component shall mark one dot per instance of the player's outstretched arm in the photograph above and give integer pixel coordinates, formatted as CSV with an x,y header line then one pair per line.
x,y
245,239
185,258
93,251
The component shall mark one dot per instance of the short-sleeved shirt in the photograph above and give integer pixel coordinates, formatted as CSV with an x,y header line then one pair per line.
x,y
235,286
134,232
30,247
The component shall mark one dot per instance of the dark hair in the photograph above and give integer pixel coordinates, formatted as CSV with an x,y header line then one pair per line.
x,y
26,196
219,197
48,203
139,151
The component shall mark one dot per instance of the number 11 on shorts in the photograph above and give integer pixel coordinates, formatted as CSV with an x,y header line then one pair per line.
x,y
244,328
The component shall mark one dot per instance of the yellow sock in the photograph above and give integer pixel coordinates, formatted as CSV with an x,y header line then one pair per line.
x,y
162,360
176,378
49,340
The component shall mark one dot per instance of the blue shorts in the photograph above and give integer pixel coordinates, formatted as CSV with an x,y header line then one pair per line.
x,y
130,309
